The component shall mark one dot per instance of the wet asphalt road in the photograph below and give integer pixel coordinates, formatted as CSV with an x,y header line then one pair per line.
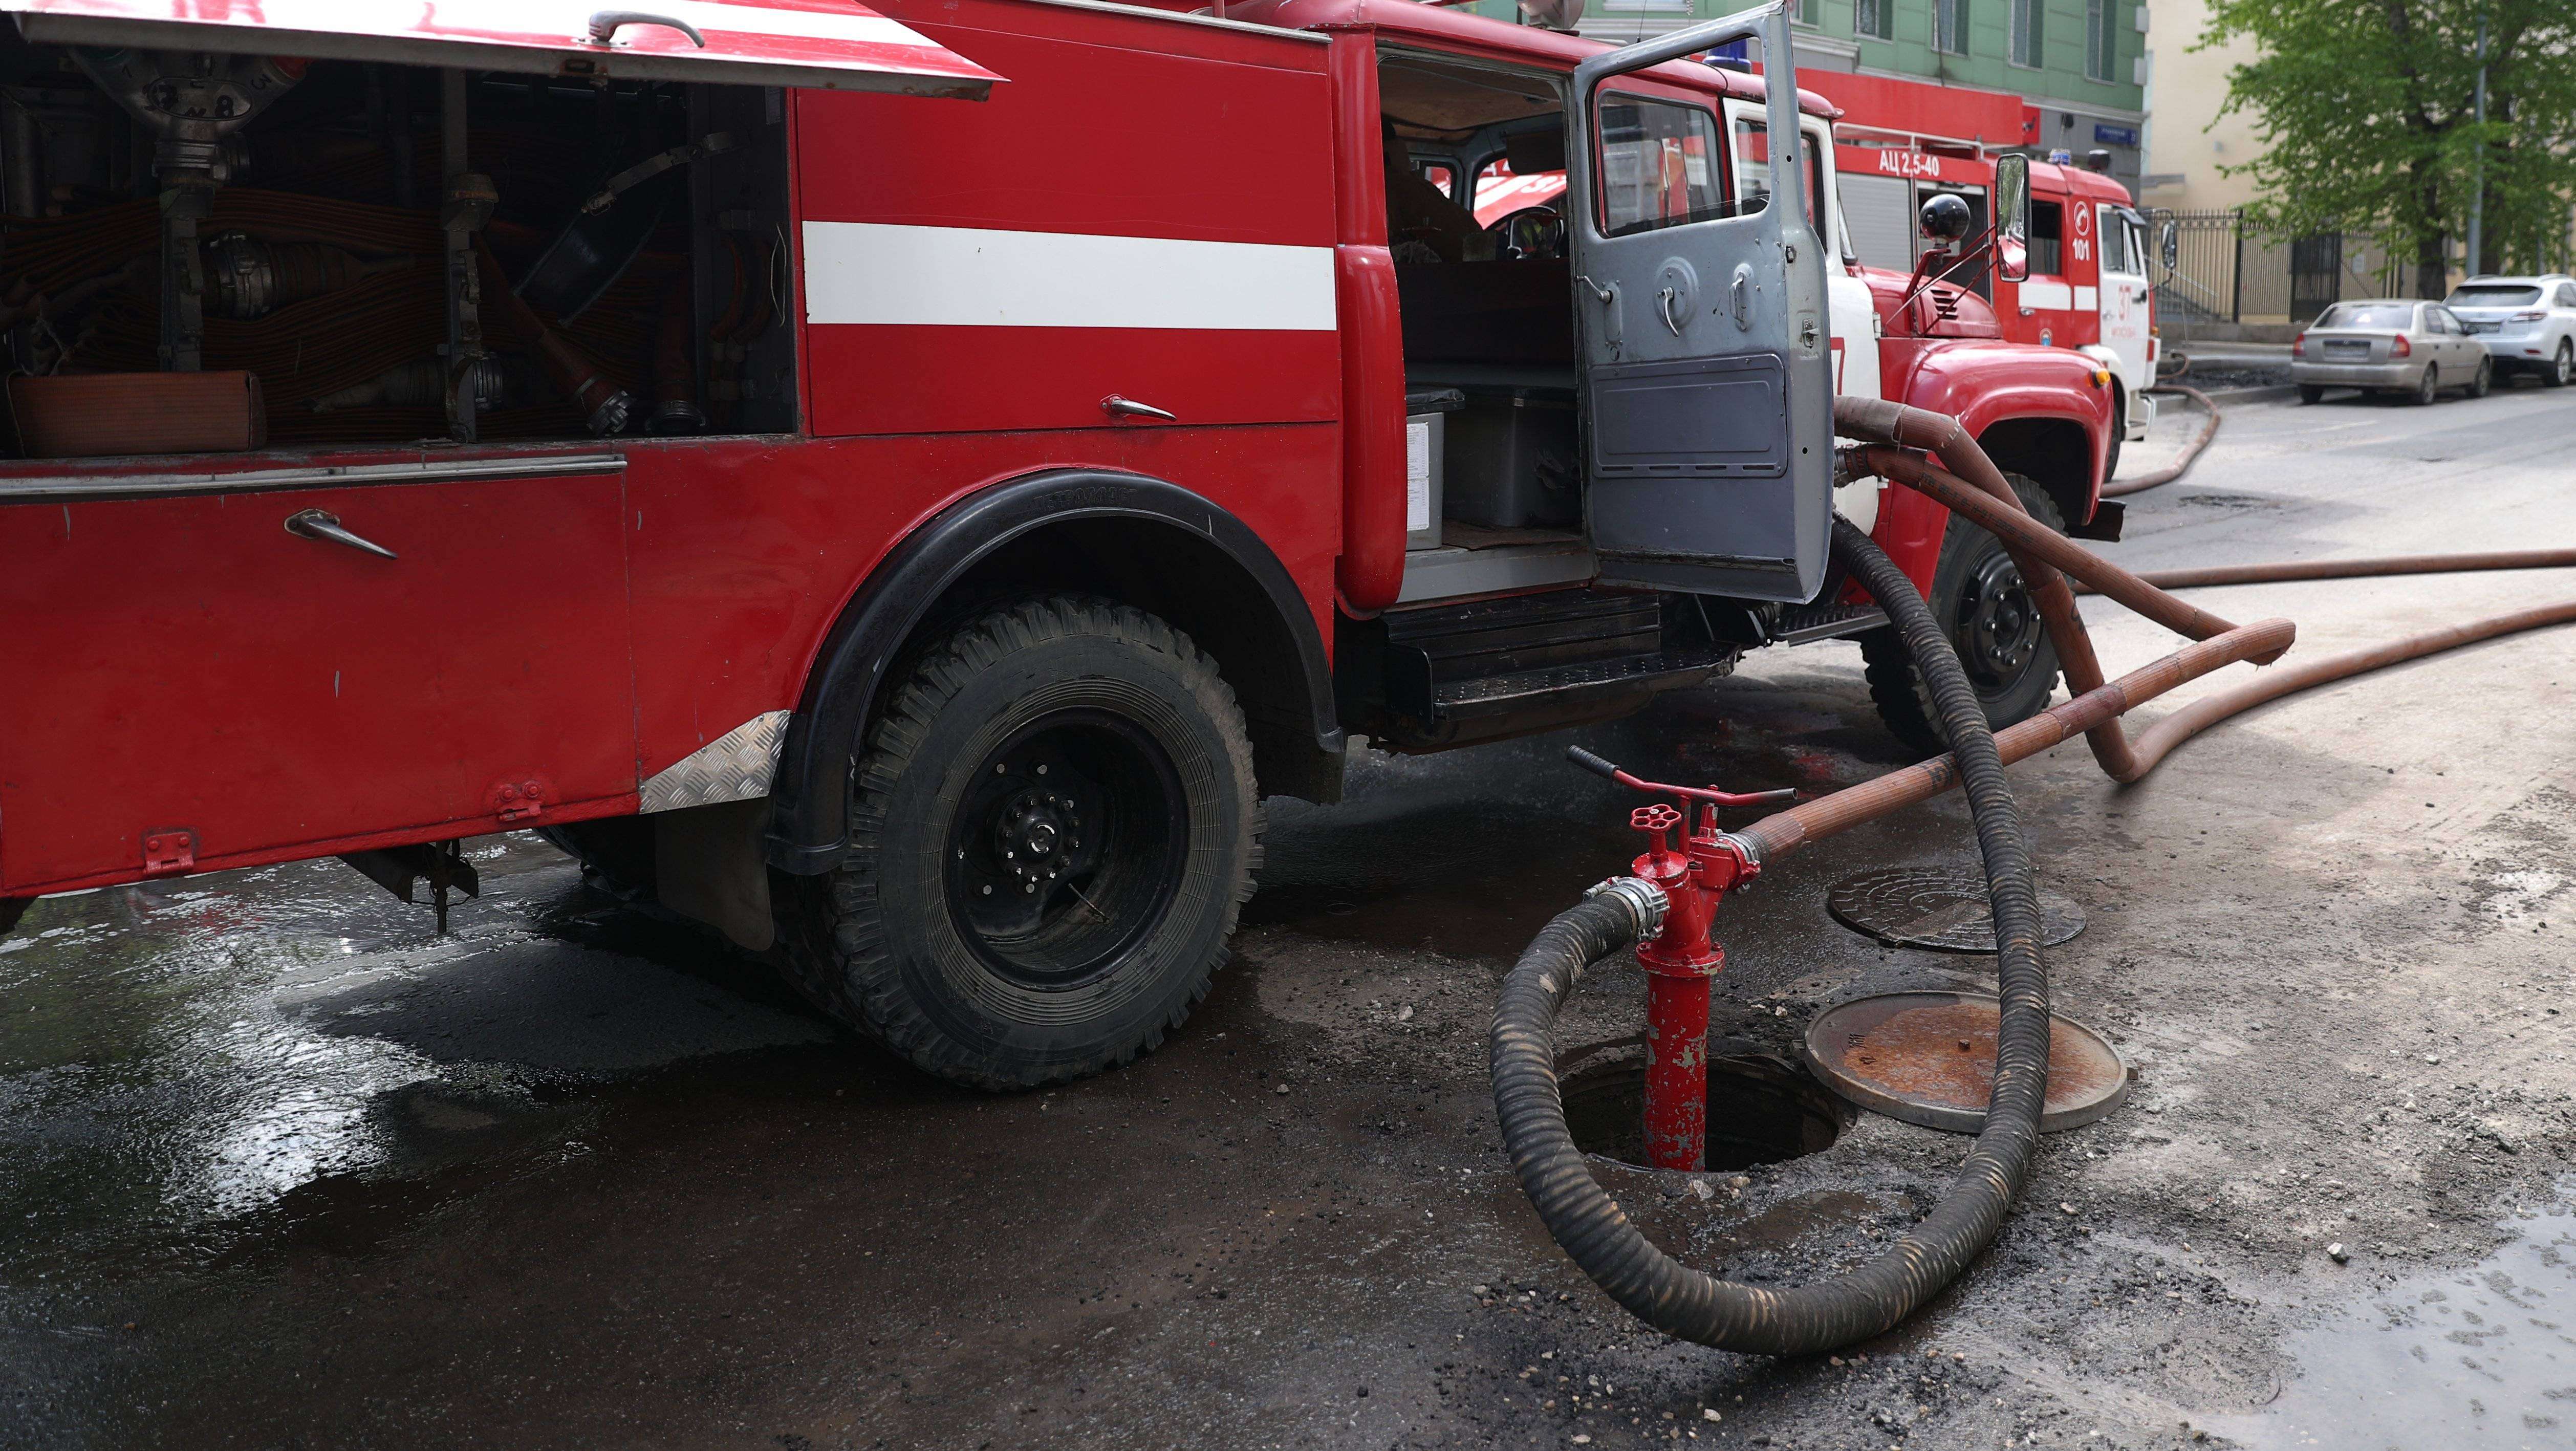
x,y
280,1167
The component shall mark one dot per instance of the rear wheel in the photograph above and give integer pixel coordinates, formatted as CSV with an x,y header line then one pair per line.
x,y
2483,380
1984,605
2310,392
1052,827
2562,366
2428,387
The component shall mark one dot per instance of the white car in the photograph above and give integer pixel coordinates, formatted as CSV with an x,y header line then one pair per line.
x,y
2527,324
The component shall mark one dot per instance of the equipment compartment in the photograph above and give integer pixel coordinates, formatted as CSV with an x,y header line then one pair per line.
x,y
395,254
1512,460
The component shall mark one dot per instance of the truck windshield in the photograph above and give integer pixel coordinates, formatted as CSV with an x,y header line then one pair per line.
x,y
2397,315
2493,296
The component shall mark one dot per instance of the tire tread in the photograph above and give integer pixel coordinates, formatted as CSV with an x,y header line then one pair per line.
x,y
831,945
1893,687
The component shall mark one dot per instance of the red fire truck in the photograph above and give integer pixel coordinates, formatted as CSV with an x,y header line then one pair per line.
x,y
2087,287
902,489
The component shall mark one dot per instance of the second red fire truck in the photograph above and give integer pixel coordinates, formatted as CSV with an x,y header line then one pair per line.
x,y
901,489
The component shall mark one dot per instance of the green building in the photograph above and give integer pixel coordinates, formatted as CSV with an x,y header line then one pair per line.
x,y
2081,64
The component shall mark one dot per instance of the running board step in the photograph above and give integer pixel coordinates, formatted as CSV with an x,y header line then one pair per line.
x,y
1807,624
1492,657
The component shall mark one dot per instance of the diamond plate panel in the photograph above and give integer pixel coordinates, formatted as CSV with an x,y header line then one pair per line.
x,y
736,766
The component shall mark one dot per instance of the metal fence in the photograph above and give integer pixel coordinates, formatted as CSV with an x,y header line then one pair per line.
x,y
2228,270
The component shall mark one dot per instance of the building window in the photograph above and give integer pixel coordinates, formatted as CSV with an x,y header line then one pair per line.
x,y
2025,40
2101,40
1806,13
1950,26
1874,19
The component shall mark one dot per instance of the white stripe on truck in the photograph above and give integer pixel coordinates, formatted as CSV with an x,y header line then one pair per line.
x,y
875,273
2053,296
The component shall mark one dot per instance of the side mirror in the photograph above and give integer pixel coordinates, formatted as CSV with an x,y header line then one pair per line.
x,y
2169,243
2012,216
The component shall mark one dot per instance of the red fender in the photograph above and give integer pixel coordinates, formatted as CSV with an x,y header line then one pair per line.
x,y
1981,382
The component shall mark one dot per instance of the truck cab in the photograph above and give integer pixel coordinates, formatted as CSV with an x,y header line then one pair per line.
x,y
2088,287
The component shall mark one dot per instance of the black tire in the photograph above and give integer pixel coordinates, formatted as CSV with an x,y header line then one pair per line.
x,y
1006,745
1980,602
2311,392
2484,381
2428,387
2562,366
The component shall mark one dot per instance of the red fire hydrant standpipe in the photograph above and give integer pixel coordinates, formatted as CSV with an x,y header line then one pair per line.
x,y
1694,867
1704,864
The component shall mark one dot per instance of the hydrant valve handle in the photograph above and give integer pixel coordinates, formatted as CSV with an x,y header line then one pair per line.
x,y
1599,766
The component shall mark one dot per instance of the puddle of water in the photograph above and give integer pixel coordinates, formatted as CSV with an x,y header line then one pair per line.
x,y
174,1062
2476,1359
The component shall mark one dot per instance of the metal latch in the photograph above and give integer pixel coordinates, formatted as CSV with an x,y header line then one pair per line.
x,y
520,799
168,849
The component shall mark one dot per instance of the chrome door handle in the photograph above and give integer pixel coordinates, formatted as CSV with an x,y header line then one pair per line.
x,y
319,524
605,24
1117,407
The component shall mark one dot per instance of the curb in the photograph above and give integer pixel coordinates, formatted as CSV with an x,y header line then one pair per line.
x,y
2268,393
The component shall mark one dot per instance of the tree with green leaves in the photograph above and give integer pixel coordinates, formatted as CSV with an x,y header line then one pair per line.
x,y
2368,116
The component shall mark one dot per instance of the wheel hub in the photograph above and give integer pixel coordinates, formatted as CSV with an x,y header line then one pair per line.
x,y
1065,847
1036,837
1999,628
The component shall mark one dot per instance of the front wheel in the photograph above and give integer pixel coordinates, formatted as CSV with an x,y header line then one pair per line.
x,y
1985,607
2484,380
1052,828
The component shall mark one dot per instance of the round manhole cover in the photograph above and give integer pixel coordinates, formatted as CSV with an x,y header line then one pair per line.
x,y
1929,1058
1947,911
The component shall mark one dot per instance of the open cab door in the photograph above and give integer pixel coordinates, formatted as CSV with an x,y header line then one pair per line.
x,y
1707,369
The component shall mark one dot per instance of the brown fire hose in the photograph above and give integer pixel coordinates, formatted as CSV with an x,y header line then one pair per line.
x,y
1803,1319
1978,492
2191,451
2384,565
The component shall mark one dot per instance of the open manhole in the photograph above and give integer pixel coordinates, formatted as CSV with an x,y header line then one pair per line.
x,y
1942,910
1760,1109
1929,1058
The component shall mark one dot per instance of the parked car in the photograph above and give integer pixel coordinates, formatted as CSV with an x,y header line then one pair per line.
x,y
2389,345
2527,324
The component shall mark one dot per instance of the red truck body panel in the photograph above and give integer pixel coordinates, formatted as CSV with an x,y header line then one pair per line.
x,y
1174,211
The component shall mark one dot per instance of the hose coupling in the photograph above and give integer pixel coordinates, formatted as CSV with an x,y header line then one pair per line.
x,y
1746,850
1646,902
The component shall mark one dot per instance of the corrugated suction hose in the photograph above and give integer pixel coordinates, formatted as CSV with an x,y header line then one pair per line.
x,y
1685,1302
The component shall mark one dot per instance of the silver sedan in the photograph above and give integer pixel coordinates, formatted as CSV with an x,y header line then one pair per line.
x,y
2391,346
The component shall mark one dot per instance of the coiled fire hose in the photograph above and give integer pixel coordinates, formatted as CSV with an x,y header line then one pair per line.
x,y
1693,1305
1685,1302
